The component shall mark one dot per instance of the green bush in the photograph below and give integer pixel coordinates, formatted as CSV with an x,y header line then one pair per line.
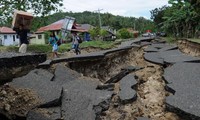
x,y
94,32
123,33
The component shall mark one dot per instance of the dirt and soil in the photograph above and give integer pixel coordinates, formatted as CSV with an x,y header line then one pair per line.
x,y
189,47
17,102
150,93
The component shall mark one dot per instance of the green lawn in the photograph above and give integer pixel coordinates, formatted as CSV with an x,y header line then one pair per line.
x,y
195,40
31,48
169,39
64,47
172,39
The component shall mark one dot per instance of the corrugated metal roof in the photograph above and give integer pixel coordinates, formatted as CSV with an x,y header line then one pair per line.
x,y
57,26
87,26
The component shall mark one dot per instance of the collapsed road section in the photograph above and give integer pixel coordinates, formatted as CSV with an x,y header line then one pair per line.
x,y
15,64
136,81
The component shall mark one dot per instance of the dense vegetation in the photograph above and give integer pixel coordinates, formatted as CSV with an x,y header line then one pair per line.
x,y
37,7
180,19
107,19
42,9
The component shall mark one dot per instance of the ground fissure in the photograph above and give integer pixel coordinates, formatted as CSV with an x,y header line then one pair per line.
x,y
150,88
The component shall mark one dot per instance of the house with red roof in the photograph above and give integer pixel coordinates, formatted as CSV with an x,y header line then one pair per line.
x,y
8,37
56,27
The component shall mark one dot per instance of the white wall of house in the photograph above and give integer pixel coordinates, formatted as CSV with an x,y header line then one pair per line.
x,y
38,39
9,39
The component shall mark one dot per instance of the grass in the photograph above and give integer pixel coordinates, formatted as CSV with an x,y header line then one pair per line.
x,y
39,48
62,48
169,39
173,40
99,44
9,48
195,40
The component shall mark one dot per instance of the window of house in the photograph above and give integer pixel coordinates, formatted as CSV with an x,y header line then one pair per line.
x,y
17,36
39,36
5,36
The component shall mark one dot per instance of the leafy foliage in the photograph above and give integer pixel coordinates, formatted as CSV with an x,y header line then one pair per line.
x,y
43,10
123,33
181,19
103,33
86,17
157,16
94,33
39,7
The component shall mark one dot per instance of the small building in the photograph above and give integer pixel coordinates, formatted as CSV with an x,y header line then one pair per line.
x,y
56,27
8,37
111,33
87,27
37,38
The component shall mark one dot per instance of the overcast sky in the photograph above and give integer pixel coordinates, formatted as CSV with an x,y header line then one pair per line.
x,y
133,8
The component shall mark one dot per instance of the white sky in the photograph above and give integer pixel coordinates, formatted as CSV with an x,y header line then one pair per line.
x,y
133,8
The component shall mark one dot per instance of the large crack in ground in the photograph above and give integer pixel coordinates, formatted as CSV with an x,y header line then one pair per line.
x,y
150,88
151,92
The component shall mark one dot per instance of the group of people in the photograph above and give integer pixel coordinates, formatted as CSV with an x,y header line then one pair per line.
x,y
53,41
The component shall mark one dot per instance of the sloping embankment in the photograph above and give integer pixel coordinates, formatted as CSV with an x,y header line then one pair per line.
x,y
189,47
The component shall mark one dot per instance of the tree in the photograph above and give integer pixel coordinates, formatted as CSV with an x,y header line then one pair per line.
x,y
94,32
181,18
103,33
123,33
39,7
157,16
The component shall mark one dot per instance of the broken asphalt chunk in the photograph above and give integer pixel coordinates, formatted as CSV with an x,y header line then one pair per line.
x,y
78,103
126,93
184,79
40,81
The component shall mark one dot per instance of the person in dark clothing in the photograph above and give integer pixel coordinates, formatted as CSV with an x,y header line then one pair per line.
x,y
22,33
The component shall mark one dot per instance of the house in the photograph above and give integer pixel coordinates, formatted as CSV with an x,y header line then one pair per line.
x,y
40,33
111,33
56,27
87,27
8,37
37,38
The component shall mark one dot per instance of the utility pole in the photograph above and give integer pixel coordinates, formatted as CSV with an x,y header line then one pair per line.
x,y
99,16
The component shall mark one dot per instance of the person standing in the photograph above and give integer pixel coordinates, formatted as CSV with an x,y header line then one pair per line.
x,y
75,43
22,33
53,39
